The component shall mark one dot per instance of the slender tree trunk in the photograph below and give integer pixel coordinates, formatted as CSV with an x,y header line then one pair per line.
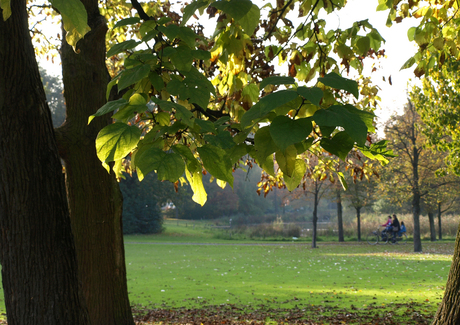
x,y
439,221
358,218
315,217
448,311
339,216
432,227
94,196
416,219
276,201
37,253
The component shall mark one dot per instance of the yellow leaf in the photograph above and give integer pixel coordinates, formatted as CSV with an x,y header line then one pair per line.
x,y
196,183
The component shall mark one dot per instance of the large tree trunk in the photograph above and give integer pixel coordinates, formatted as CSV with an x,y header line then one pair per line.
x,y
37,253
432,227
94,197
358,219
340,216
439,222
448,311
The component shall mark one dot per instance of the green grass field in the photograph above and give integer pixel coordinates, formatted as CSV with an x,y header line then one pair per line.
x,y
191,268
277,276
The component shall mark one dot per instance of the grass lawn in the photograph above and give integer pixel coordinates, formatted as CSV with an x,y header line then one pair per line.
x,y
335,277
189,271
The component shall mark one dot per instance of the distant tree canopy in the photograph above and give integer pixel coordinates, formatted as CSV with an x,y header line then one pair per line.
x,y
141,210
55,97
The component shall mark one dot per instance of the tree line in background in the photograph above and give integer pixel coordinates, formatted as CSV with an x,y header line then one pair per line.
x,y
390,189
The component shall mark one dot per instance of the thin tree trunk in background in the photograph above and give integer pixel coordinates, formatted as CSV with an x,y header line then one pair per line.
x,y
439,222
315,217
358,218
416,220
448,311
432,227
37,252
94,196
339,216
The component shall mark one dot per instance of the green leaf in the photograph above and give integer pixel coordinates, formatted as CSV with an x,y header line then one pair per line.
x,y
235,8
169,166
131,76
250,21
116,140
127,21
166,105
184,115
128,112
236,152
286,131
342,116
375,40
188,36
5,5
363,44
410,62
340,145
378,151
117,48
110,85
267,104
366,117
216,162
264,144
190,9
338,82
201,54
303,146
193,165
222,140
297,175
252,91
157,81
170,31
163,118
276,80
148,28
75,19
195,88
411,33
313,94
268,165
196,183
182,58
286,160
109,107
205,126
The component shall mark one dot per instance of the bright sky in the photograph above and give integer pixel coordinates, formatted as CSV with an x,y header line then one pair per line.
x,y
398,50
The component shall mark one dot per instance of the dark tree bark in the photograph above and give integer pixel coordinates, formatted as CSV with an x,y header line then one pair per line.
x,y
448,311
432,227
416,219
37,253
94,196
340,216
439,222
358,220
